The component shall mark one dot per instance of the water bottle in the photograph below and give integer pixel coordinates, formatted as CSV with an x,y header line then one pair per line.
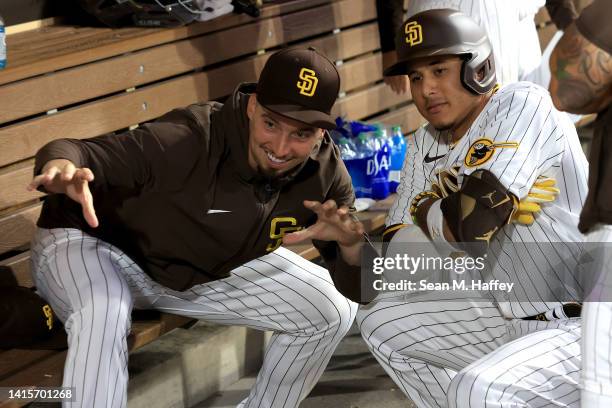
x,y
358,167
363,147
374,140
398,153
2,44
347,149
378,166
358,128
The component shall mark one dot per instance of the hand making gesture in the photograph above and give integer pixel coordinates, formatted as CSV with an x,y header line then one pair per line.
x,y
62,177
333,224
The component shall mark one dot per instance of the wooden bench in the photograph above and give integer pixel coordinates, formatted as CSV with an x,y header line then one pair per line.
x,y
79,82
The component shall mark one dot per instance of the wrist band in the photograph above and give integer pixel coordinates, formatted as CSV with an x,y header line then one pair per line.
x,y
417,200
435,226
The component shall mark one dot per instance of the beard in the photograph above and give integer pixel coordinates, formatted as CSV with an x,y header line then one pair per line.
x,y
268,173
443,127
272,174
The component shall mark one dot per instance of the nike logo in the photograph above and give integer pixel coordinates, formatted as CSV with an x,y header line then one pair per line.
x,y
217,211
429,159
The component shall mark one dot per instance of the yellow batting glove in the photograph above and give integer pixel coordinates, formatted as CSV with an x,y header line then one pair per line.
x,y
544,190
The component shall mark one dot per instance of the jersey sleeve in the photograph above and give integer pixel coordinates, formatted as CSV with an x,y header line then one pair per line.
x,y
517,137
156,156
412,180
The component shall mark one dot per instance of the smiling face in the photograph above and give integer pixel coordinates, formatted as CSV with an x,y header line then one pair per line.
x,y
278,144
439,95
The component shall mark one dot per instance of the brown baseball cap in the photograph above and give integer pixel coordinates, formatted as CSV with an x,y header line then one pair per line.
x,y
301,84
27,320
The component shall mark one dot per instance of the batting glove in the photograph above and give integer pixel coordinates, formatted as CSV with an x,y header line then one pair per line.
x,y
542,191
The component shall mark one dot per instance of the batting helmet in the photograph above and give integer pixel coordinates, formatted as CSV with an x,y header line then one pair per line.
x,y
447,32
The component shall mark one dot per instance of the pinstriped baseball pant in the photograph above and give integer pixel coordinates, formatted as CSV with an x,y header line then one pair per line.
x,y
461,353
92,286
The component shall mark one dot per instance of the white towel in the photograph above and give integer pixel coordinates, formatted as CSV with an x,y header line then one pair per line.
x,y
210,4
209,15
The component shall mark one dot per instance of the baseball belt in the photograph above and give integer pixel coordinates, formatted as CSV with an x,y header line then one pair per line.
x,y
564,311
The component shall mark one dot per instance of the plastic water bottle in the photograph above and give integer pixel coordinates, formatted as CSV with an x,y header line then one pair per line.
x,y
358,167
364,148
358,128
2,44
398,153
347,149
374,140
378,166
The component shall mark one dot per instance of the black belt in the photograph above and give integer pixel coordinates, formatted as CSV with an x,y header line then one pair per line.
x,y
562,312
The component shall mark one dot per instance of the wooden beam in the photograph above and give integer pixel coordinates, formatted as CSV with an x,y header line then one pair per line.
x,y
107,43
59,89
18,228
20,141
408,117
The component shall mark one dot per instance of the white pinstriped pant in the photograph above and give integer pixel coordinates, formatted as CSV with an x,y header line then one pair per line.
x,y
596,381
461,353
92,286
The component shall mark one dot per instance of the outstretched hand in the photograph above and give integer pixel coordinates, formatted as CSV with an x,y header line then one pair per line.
x,y
333,224
62,177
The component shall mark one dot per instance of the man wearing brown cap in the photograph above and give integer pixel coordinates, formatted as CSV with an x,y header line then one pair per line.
x,y
187,215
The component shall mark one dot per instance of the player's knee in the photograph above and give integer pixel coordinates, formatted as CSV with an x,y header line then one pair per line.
x,y
335,313
367,322
105,301
459,392
361,318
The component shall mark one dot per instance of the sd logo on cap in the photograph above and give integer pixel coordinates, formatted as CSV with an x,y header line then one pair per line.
x,y
301,84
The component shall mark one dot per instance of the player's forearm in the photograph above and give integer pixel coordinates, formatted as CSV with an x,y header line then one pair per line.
x,y
351,253
421,216
581,74
350,278
390,18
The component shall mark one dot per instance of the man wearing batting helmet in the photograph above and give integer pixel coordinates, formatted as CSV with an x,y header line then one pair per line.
x,y
478,183
187,215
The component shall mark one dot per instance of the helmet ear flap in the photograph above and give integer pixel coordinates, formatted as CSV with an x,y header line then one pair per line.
x,y
470,74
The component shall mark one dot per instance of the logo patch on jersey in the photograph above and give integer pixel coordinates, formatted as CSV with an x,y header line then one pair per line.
x,y
308,83
278,228
414,33
429,159
211,211
482,150
49,315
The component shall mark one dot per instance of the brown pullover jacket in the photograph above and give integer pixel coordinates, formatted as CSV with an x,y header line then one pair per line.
x,y
179,197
